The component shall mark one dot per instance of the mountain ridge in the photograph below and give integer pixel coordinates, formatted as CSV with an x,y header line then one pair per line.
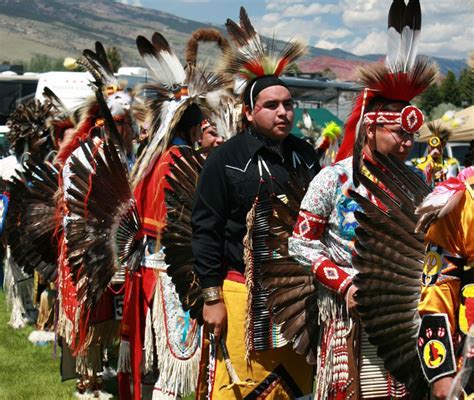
x,y
63,28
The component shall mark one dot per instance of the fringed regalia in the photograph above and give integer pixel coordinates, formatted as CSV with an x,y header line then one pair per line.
x,y
90,284
154,319
324,236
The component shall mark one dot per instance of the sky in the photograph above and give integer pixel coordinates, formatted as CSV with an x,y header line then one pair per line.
x,y
357,26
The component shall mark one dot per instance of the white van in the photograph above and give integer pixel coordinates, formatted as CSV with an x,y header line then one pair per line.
x,y
71,87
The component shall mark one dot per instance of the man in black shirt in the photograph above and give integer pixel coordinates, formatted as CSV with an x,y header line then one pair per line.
x,y
239,176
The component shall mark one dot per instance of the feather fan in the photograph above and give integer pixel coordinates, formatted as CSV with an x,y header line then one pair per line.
x,y
176,238
102,234
31,219
293,296
389,260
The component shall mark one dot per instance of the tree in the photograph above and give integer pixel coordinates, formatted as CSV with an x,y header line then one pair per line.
x,y
449,89
293,68
114,57
441,109
328,73
466,87
44,63
430,98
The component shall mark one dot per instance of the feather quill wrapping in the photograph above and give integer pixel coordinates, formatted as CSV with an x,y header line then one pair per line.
x,y
293,291
389,261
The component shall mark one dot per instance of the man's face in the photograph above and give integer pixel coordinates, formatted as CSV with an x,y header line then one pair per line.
x,y
435,152
273,114
210,138
391,139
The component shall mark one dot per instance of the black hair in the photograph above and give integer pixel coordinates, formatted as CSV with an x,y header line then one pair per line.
x,y
192,116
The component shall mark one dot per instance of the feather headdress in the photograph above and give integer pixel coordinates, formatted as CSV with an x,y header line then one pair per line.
x,y
253,58
401,78
110,101
174,90
439,134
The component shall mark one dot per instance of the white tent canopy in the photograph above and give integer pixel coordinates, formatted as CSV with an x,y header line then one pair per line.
x,y
461,126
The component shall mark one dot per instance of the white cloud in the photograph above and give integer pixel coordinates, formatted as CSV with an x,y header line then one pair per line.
x,y
300,10
278,5
271,18
339,33
359,26
287,28
363,13
136,3
325,44
374,43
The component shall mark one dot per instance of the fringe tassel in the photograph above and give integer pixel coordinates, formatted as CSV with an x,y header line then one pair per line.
x,y
329,363
148,343
249,277
178,376
19,294
123,363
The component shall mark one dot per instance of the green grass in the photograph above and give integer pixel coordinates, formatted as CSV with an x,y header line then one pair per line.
x,y
32,372
28,371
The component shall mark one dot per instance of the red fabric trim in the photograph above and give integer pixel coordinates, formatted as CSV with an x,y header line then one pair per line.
x,y
150,194
309,226
235,276
138,294
330,275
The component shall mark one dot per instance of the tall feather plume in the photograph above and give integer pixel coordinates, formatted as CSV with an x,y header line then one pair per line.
x,y
252,58
98,64
404,24
162,61
411,33
395,28
389,260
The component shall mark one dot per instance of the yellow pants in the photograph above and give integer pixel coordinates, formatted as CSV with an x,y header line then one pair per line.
x,y
276,374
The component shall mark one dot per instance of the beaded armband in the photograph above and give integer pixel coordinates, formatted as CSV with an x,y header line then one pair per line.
x,y
435,347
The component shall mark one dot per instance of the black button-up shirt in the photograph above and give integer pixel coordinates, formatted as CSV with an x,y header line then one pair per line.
x,y
227,187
